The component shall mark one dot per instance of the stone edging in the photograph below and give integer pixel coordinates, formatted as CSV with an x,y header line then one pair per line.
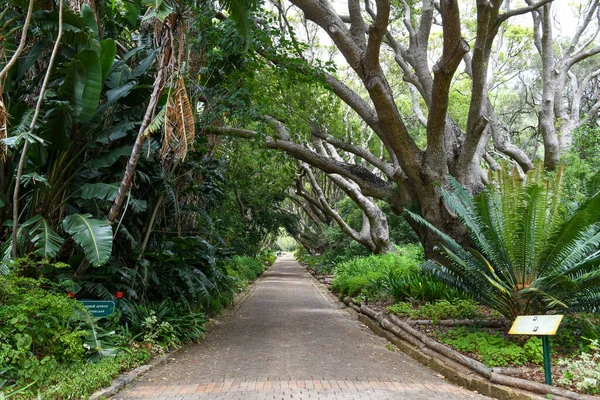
x,y
454,366
126,378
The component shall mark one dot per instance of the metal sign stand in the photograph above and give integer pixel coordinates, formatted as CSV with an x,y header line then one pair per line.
x,y
547,368
539,325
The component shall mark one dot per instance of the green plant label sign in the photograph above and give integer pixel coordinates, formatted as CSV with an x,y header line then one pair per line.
x,y
99,308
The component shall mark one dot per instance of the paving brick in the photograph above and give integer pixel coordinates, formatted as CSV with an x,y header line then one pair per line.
x,y
289,340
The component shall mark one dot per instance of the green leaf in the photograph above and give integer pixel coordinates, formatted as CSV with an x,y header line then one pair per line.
x,y
33,178
143,65
119,76
108,158
119,92
132,13
83,84
90,20
107,56
100,191
46,241
160,12
108,192
94,235
115,132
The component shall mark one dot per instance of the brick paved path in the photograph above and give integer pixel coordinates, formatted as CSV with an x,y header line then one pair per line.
x,y
288,340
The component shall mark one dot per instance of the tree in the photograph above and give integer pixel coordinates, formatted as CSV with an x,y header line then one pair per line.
x,y
410,172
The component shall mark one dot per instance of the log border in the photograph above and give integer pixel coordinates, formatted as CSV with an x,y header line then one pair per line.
x,y
454,366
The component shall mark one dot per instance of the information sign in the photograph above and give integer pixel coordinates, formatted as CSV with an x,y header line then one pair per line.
x,y
99,308
536,325
542,325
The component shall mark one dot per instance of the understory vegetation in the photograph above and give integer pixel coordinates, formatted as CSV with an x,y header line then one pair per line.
x,y
54,347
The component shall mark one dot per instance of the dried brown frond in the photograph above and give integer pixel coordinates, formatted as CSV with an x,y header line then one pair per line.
x,y
179,122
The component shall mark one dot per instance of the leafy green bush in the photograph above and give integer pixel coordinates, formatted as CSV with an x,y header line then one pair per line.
x,y
244,269
47,339
362,273
493,349
441,309
573,331
37,328
583,372
80,379
166,323
417,286
184,270
267,257
332,257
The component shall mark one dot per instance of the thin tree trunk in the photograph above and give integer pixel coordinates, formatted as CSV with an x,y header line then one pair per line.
x,y
137,148
33,120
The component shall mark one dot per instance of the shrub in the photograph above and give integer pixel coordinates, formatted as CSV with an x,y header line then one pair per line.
x,y
37,328
80,379
443,309
332,257
47,341
361,273
166,324
244,268
267,257
573,331
492,349
417,286
583,372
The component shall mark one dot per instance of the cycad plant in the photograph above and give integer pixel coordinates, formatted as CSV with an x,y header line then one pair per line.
x,y
529,255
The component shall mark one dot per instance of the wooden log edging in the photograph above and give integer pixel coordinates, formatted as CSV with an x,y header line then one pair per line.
x,y
460,322
391,324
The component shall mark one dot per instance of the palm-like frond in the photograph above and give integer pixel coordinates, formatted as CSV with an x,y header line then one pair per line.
x,y
527,258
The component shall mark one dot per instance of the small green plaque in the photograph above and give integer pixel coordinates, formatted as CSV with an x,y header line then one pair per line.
x,y
99,308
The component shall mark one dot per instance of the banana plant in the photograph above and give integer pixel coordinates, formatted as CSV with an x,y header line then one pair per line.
x,y
93,235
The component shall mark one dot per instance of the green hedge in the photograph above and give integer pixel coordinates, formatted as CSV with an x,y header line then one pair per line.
x,y
244,269
367,273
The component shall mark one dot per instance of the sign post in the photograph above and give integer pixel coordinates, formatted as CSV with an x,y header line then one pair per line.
x,y
542,325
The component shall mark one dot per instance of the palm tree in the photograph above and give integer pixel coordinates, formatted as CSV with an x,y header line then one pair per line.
x,y
530,256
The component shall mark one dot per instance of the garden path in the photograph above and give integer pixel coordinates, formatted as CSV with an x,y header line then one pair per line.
x,y
289,340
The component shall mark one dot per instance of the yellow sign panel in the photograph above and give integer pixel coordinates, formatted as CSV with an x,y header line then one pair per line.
x,y
536,325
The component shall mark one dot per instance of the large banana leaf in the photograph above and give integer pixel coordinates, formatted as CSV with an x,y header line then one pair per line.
x,y
90,20
108,158
108,192
83,84
46,241
94,235
107,56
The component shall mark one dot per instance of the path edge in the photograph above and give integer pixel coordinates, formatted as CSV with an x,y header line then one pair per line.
x,y
128,377
452,371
